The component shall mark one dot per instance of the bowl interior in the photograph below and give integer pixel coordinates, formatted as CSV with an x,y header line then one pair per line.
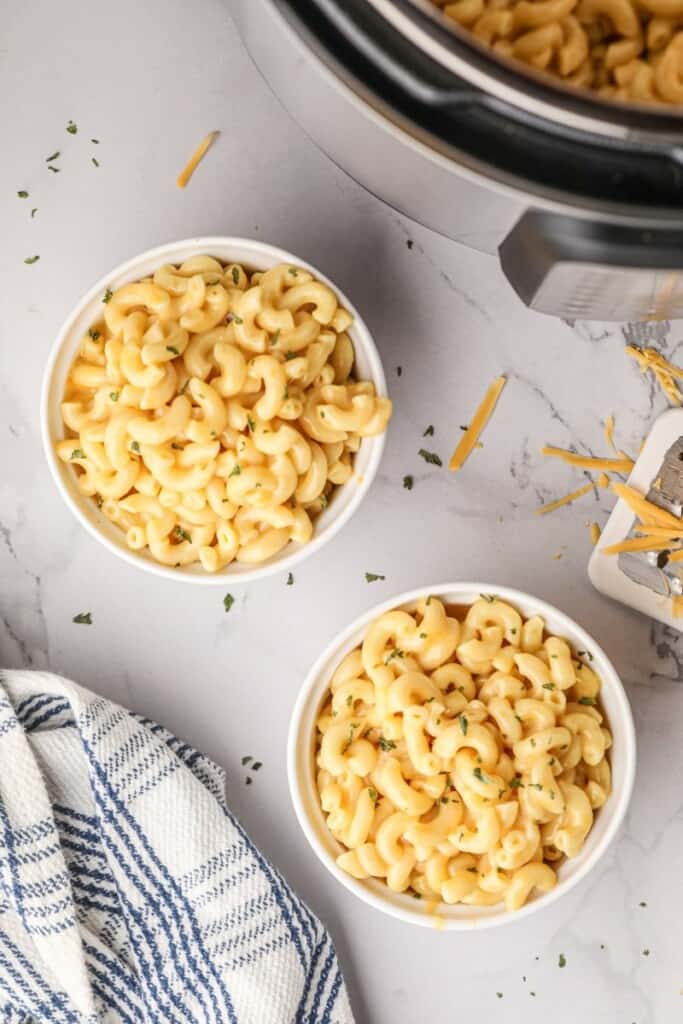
x,y
255,256
607,818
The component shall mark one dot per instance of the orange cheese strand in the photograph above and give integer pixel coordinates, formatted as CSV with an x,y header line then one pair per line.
x,y
542,509
588,462
481,417
637,544
194,161
646,511
595,533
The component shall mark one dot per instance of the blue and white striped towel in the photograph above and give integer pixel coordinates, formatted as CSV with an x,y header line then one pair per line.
x,y
129,894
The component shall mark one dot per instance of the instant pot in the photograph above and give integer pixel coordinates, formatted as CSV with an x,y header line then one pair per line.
x,y
580,197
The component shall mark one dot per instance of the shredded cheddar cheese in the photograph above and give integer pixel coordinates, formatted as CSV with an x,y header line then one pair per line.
x,y
637,544
542,509
469,439
623,465
603,480
595,533
646,511
609,432
196,158
664,371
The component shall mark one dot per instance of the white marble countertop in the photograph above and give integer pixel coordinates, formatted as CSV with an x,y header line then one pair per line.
x,y
148,80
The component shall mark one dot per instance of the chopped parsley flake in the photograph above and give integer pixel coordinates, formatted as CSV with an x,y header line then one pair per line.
x,y
107,296
372,793
34,211
289,355
431,457
235,471
410,243
499,994
562,961
246,760
274,339
429,432
95,162
463,724
135,446
83,619
23,194
408,482
78,453
236,275
478,774
642,903
549,686
489,598
31,259
228,602
256,765
646,952
55,170
251,424
399,371
237,319
55,156
72,127
372,577
386,744
248,781
293,271
589,701
180,534
290,580
585,654
396,653
173,349
114,395
95,335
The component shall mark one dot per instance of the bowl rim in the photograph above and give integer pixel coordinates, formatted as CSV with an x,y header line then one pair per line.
x,y
123,273
314,685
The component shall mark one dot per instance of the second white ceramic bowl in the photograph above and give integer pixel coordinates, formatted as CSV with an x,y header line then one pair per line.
x,y
302,771
255,256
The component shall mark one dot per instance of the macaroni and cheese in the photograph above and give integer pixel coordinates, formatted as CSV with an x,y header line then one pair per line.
x,y
461,758
619,48
212,411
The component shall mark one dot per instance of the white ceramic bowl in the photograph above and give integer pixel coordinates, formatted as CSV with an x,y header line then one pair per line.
x,y
301,763
256,256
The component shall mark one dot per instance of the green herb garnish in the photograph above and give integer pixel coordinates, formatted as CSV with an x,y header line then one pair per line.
x,y
95,162
236,275
114,395
429,432
228,602
31,259
23,194
180,534
478,774
237,319
430,457
246,760
235,471
72,127
396,653
590,701
135,445
293,271
408,482
372,577
77,453
173,349
372,792
55,156
107,296
290,580
464,724
386,744
83,619
95,335
34,211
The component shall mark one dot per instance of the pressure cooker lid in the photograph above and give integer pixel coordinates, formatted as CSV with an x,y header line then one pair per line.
x,y
517,127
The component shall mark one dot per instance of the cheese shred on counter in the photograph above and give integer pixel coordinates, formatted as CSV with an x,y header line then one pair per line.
x,y
469,439
196,158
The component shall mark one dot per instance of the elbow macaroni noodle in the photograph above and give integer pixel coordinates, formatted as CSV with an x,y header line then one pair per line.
x,y
461,760
212,413
619,48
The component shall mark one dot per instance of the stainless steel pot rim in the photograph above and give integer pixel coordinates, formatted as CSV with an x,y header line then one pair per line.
x,y
528,90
